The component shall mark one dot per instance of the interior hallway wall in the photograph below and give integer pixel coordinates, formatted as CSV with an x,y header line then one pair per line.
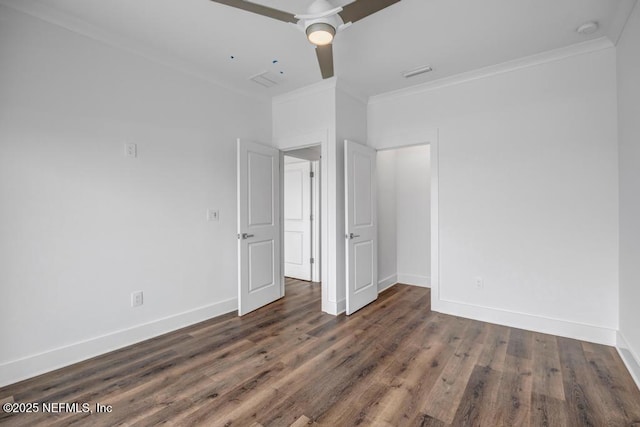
x,y
387,219
413,202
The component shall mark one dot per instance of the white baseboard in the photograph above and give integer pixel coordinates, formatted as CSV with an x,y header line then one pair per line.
x,y
415,280
629,357
546,325
388,282
30,366
336,308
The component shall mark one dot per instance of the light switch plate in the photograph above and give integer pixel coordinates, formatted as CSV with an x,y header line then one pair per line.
x,y
213,215
130,150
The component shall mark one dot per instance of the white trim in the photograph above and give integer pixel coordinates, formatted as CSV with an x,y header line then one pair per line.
x,y
30,366
315,225
387,282
302,141
435,224
629,357
414,280
531,322
505,67
335,308
409,138
351,92
311,89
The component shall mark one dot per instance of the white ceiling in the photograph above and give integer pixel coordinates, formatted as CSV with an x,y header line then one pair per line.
x,y
452,36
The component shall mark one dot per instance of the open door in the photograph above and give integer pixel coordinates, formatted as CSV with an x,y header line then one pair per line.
x,y
297,219
259,259
361,225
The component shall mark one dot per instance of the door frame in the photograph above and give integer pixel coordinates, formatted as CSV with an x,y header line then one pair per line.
x,y
326,265
312,214
433,142
315,224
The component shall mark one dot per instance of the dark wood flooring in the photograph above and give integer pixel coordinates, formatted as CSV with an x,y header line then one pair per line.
x,y
394,363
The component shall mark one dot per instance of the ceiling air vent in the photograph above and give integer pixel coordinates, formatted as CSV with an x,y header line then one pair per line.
x,y
266,79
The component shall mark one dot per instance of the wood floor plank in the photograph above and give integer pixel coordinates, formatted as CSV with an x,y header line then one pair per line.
x,y
608,390
548,412
495,347
581,403
478,401
446,394
547,374
393,363
513,403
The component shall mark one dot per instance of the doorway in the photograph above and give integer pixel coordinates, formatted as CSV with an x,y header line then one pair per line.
x,y
301,214
331,301
405,236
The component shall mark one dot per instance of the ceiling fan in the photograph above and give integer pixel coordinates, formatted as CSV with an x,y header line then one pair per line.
x,y
321,22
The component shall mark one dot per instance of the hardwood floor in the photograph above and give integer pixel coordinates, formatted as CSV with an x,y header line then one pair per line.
x,y
394,363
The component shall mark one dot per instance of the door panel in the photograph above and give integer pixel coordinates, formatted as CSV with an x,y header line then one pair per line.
x,y
363,259
297,220
261,260
259,273
361,226
260,168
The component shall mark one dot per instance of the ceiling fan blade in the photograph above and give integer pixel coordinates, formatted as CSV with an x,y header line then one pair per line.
x,y
260,10
362,8
325,59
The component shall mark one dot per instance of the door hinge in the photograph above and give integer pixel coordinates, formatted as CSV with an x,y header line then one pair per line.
x,y
311,174
312,261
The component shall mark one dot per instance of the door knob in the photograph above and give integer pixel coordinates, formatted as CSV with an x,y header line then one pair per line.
x,y
352,236
245,236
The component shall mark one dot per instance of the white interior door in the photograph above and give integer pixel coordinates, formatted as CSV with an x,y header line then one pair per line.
x,y
361,225
297,219
259,263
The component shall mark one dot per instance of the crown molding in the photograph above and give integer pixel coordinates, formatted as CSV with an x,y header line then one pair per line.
x,y
350,91
311,89
505,67
53,16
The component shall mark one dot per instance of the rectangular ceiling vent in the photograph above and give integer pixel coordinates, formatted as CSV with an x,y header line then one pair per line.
x,y
266,79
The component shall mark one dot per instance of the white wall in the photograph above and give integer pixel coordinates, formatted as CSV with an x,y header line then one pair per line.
x,y
387,219
81,226
628,54
413,183
527,172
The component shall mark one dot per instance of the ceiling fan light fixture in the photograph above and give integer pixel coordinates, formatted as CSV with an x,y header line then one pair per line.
x,y
320,33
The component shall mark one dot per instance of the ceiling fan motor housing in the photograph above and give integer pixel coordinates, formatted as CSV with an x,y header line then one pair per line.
x,y
324,13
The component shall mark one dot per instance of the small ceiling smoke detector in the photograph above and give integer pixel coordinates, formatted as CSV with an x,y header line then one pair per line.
x,y
417,71
588,28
